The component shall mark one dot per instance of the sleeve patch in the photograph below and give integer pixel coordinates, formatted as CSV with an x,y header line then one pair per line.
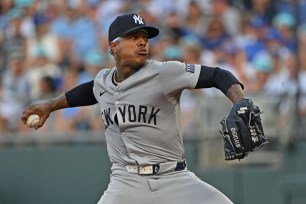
x,y
189,68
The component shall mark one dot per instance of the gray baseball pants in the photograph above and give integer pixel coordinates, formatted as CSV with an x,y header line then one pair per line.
x,y
177,187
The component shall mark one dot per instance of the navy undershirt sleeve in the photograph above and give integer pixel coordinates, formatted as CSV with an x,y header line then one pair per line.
x,y
216,77
81,95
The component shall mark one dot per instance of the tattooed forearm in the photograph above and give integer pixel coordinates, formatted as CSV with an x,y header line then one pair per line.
x,y
57,103
235,93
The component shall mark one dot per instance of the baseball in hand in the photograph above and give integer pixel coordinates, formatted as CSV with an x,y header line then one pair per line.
x,y
33,120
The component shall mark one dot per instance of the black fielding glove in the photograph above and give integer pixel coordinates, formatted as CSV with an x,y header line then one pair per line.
x,y
242,130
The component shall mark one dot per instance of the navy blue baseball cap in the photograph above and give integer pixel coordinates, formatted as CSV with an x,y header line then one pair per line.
x,y
127,24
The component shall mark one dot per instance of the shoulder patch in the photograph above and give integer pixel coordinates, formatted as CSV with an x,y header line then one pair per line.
x,y
189,68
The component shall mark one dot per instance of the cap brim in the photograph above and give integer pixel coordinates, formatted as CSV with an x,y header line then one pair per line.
x,y
152,31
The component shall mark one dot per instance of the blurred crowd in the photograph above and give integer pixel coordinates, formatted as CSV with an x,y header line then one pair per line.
x,y
47,47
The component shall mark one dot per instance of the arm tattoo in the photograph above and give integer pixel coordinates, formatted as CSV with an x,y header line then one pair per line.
x,y
57,103
234,93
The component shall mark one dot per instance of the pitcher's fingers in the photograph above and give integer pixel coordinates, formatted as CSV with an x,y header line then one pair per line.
x,y
29,110
26,113
42,120
24,117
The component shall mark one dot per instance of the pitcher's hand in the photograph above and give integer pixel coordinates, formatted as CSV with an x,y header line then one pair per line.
x,y
41,109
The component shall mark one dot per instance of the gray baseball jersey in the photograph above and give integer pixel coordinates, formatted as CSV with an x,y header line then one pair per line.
x,y
142,114
142,126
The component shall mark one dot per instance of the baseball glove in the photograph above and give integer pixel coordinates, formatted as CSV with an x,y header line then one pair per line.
x,y
242,130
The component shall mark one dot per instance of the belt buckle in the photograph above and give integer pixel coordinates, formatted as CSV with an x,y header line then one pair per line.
x,y
148,170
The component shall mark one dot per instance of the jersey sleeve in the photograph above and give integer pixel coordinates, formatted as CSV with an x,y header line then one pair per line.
x,y
177,76
97,79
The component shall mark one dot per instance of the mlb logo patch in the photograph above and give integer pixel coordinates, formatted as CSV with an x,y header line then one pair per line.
x,y
190,68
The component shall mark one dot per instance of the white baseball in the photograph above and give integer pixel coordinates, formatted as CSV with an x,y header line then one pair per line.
x,y
33,120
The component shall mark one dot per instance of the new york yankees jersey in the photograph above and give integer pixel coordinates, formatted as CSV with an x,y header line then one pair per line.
x,y
142,114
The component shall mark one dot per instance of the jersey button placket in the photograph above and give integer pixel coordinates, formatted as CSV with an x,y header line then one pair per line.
x,y
116,98
132,155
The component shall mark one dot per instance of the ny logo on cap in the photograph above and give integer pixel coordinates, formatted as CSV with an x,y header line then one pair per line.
x,y
138,19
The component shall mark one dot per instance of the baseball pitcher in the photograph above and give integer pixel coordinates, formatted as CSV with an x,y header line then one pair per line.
x,y
139,104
